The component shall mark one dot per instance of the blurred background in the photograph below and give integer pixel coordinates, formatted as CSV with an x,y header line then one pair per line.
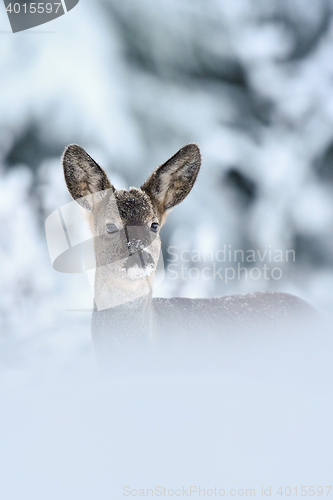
x,y
250,81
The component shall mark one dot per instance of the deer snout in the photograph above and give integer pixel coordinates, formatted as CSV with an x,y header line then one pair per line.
x,y
140,259
138,238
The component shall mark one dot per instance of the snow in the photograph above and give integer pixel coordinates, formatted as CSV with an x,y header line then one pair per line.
x,y
136,272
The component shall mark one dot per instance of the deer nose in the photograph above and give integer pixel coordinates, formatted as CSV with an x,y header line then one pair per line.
x,y
142,259
138,238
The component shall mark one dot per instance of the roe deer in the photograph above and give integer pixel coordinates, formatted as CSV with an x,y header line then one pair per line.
x,y
125,226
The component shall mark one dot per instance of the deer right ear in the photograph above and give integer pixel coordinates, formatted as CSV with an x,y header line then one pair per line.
x,y
170,183
84,177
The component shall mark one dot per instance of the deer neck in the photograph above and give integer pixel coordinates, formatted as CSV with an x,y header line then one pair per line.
x,y
120,312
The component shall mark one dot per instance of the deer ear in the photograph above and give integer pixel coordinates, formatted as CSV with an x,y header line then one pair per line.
x,y
170,183
84,177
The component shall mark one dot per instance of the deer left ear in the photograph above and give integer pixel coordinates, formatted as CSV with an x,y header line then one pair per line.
x,y
84,177
170,183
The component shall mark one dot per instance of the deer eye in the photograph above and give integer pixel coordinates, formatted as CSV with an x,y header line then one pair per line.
x,y
154,227
111,228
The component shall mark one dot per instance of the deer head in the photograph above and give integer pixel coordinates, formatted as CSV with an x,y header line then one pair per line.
x,y
126,223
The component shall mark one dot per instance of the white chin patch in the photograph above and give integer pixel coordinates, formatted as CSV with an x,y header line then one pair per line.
x,y
137,272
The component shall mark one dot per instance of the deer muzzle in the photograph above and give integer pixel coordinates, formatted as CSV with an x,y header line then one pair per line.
x,y
141,259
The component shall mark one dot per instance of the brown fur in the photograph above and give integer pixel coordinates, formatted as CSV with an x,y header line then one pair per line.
x,y
170,183
82,175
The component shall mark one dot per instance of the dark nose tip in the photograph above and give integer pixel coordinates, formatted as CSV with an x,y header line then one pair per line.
x,y
141,259
138,238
